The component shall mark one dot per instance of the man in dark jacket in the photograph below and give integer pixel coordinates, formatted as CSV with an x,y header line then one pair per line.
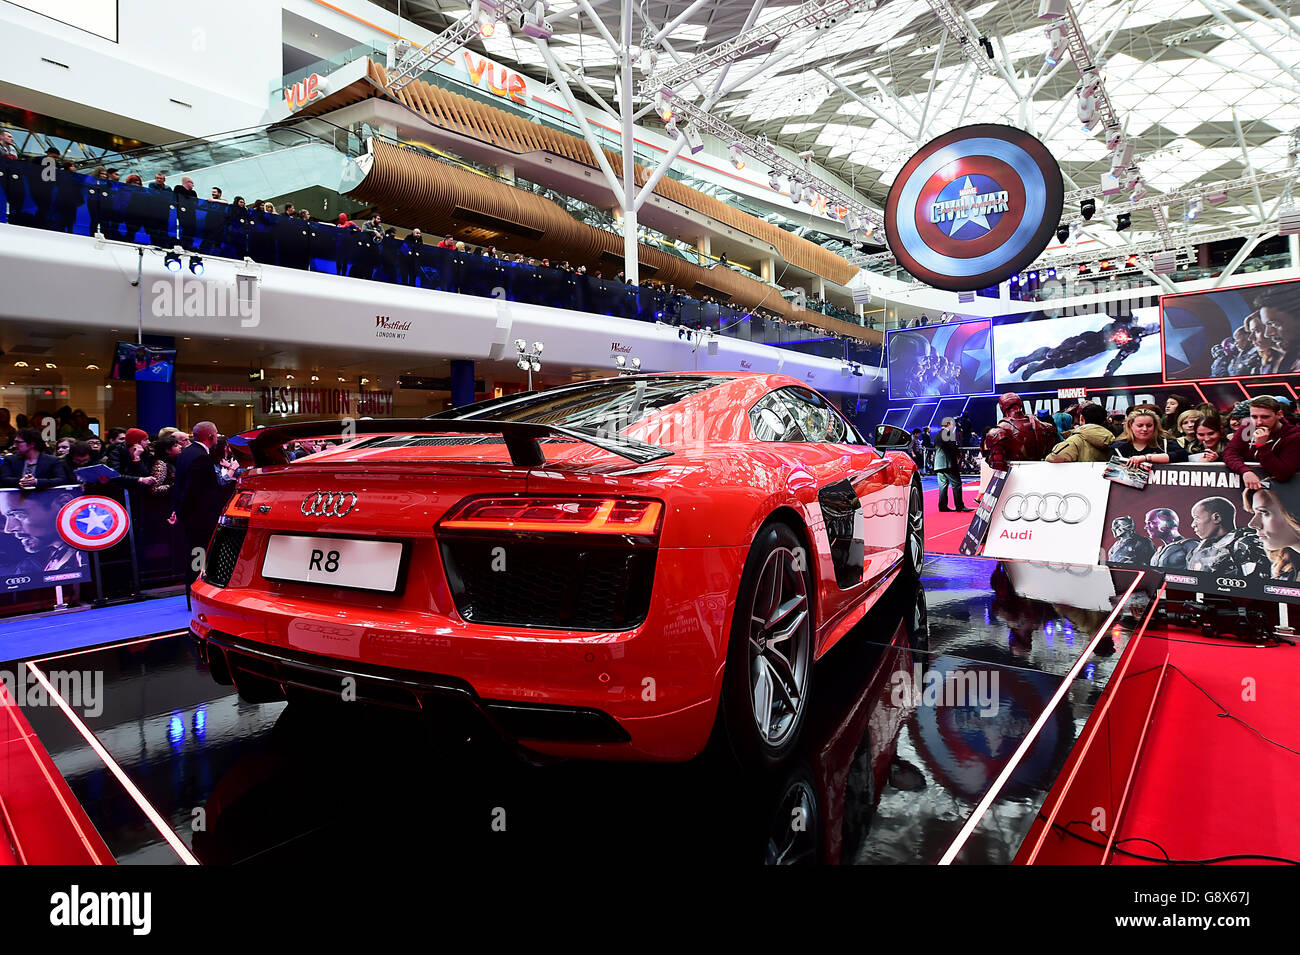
x,y
196,490
947,464
29,468
1274,448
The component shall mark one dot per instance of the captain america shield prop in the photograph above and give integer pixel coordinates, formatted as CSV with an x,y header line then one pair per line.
x,y
974,207
93,523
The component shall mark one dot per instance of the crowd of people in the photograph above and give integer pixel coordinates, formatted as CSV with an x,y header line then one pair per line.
x,y
51,193
179,482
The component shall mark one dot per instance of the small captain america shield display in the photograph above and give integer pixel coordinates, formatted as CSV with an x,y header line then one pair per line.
x,y
93,523
974,207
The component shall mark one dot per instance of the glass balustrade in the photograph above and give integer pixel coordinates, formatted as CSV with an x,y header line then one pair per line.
x,y
78,204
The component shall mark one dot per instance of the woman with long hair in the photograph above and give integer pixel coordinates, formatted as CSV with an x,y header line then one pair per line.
x,y
1278,530
1142,442
1210,440
163,469
1175,405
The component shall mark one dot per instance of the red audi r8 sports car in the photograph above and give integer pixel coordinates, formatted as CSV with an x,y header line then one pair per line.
x,y
614,569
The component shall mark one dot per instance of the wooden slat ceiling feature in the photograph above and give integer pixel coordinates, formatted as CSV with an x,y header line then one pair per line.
x,y
515,134
415,190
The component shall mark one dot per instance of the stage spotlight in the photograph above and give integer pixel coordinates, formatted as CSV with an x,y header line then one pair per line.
x,y
537,348
1083,269
1193,208
1123,221
693,138
1059,44
1063,233
1087,209
172,261
1139,191
521,345
988,46
664,105
1132,261
737,157
620,361
774,180
196,265
1088,112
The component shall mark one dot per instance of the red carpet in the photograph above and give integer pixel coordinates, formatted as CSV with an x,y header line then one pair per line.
x,y
944,532
1207,786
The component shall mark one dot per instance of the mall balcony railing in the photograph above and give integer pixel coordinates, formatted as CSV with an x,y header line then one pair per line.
x,y
81,205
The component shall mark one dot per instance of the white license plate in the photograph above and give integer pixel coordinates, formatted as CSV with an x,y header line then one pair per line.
x,y
359,564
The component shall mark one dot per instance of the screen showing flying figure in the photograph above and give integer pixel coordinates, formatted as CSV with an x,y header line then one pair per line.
x,y
1078,348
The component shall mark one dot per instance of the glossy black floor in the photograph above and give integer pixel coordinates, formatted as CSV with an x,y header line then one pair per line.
x,y
878,779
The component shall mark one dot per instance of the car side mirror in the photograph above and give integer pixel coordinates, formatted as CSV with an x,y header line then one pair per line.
x,y
889,436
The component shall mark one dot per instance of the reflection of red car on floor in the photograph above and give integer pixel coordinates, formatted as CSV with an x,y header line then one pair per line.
x,y
608,569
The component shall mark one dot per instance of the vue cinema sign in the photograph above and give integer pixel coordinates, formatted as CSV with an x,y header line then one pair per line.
x,y
974,207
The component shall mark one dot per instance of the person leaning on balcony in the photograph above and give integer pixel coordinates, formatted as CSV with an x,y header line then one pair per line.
x,y
1090,441
1274,447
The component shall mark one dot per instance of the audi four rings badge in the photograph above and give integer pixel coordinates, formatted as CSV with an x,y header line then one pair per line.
x,y
329,504
1048,508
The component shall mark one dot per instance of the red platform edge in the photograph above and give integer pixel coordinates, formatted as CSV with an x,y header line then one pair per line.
x,y
1091,777
42,821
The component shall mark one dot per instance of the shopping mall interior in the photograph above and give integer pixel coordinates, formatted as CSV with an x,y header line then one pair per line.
x,y
875,417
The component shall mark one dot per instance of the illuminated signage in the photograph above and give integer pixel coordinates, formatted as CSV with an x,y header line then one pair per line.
x,y
496,78
303,92
974,207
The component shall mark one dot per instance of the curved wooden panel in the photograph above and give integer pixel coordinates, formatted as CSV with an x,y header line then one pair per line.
x,y
511,132
412,189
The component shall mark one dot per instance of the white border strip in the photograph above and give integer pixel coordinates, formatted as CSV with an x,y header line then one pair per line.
x,y
1031,737
159,823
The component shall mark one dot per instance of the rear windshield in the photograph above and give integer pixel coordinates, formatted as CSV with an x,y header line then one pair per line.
x,y
605,407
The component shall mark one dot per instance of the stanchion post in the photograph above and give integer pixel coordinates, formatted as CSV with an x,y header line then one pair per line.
x,y
99,580
130,538
1283,628
59,602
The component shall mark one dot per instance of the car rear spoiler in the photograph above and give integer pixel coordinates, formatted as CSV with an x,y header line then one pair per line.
x,y
265,446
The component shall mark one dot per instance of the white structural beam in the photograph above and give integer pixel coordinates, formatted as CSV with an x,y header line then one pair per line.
x,y
955,22
751,41
707,122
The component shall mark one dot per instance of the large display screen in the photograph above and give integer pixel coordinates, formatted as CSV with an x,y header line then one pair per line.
x,y
1087,349
952,359
133,362
1232,333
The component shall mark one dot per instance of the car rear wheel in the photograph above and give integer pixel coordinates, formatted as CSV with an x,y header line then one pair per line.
x,y
769,667
914,546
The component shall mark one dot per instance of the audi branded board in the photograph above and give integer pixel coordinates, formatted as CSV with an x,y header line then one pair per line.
x,y
1049,512
973,207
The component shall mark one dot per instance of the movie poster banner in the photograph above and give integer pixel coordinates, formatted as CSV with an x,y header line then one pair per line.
x,y
1199,526
1049,512
32,554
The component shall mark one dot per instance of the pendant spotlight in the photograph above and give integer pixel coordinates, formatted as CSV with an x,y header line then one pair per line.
x,y
196,265
737,157
1088,208
1123,221
172,261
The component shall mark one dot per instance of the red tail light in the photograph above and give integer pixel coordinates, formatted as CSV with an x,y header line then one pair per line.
x,y
241,505
550,515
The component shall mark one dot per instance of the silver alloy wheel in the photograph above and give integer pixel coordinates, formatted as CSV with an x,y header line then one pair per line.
x,y
780,646
916,528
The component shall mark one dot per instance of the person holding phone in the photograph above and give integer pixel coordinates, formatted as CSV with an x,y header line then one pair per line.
x,y
1269,444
